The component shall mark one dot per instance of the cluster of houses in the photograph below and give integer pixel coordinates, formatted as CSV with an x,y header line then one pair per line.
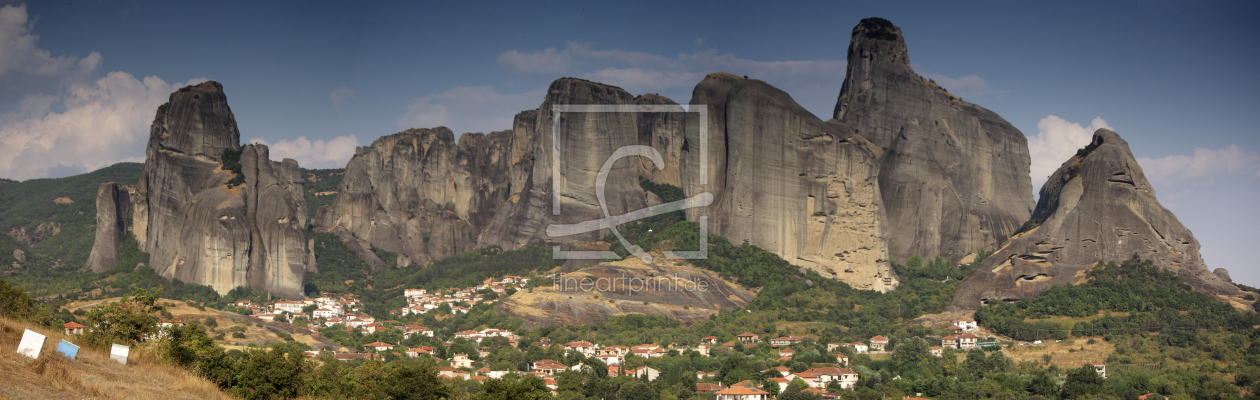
x,y
420,301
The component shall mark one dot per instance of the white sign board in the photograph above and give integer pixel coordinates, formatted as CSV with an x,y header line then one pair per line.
x,y
119,353
32,344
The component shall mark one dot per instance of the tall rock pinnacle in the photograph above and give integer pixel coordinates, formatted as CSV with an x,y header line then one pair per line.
x,y
954,176
204,221
1097,207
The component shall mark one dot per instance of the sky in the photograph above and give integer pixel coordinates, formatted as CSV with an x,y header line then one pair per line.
x,y
81,80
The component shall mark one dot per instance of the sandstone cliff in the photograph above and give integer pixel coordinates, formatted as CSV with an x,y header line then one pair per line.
x,y
419,194
112,207
786,181
1097,207
196,226
954,176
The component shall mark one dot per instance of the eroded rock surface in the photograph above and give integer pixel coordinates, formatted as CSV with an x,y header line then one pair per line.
x,y
788,182
954,176
198,228
419,194
112,212
1098,206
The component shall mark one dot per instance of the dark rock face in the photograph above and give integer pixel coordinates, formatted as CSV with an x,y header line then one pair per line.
x,y
1097,207
198,229
954,176
419,194
112,211
786,181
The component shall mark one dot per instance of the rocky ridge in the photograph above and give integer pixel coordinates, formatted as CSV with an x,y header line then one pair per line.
x,y
1097,207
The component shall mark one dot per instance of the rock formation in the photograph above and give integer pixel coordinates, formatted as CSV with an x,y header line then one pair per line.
x,y
1097,207
200,226
1223,274
19,255
584,141
112,211
786,181
954,176
419,194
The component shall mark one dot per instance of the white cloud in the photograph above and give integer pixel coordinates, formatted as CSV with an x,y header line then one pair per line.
x,y
341,96
967,87
102,120
1200,168
313,154
546,62
1056,141
469,109
102,124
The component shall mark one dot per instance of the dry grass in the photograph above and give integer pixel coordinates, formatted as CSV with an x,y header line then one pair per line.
x,y
263,335
1061,352
92,374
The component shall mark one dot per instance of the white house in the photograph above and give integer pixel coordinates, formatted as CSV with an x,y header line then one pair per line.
x,y
966,324
291,307
742,393
649,372
461,361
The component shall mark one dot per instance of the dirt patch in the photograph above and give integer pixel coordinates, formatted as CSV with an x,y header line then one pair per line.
x,y
1068,353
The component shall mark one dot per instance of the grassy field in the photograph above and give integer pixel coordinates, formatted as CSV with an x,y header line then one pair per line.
x,y
1068,353
92,374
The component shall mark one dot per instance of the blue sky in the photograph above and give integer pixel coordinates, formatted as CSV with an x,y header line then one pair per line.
x,y
80,81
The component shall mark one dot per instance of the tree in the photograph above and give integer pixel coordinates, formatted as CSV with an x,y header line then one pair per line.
x,y
1082,382
1042,385
126,321
412,379
14,302
636,391
910,351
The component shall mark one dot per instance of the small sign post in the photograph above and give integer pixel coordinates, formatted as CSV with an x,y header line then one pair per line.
x,y
32,344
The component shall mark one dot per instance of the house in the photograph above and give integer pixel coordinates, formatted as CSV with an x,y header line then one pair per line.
x,y
967,341
645,371
748,337
703,349
702,375
842,359
703,387
709,340
860,348
73,328
583,347
414,292
416,352
371,328
1151,396
936,351
1101,369
410,330
324,313
809,378
461,361
781,370
966,324
833,346
291,307
949,342
740,393
356,356
610,359
614,370
452,373
878,343
550,367
787,353
782,382
785,341
378,346
847,378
